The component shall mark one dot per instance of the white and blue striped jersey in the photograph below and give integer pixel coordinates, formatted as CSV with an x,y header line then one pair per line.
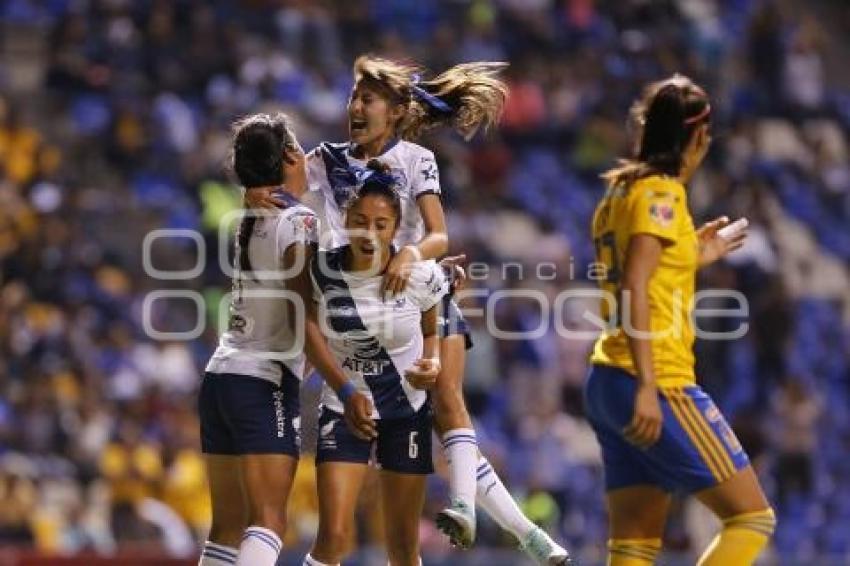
x,y
327,173
260,338
375,340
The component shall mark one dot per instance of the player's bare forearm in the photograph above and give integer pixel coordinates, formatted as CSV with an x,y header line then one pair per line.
x,y
428,324
431,341
319,355
435,244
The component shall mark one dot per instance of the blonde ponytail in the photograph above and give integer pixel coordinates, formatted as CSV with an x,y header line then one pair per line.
x,y
465,97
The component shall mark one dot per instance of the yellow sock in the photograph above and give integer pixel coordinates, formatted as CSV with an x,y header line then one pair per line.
x,y
633,551
741,541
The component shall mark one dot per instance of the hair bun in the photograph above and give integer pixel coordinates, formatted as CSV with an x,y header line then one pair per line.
x,y
378,166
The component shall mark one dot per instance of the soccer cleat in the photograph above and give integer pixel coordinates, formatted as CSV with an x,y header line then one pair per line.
x,y
458,523
545,551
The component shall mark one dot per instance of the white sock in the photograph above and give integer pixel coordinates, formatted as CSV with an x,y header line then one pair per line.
x,y
260,547
497,501
462,455
214,554
310,561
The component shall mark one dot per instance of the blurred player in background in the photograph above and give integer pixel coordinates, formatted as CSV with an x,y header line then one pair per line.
x,y
659,431
389,106
374,409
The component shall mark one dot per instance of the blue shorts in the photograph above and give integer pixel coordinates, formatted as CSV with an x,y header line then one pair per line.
x,y
403,445
450,321
241,414
696,450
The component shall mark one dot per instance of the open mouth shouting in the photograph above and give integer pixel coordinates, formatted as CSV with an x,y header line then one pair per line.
x,y
357,126
367,247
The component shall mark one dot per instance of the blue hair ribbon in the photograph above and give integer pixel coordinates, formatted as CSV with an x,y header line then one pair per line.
x,y
434,102
365,175
343,175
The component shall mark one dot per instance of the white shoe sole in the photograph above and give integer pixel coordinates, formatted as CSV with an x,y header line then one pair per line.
x,y
456,526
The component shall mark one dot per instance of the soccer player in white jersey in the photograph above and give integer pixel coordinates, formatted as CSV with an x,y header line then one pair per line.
x,y
248,403
389,352
389,106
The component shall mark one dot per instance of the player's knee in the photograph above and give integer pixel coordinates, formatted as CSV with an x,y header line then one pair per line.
x,y
761,522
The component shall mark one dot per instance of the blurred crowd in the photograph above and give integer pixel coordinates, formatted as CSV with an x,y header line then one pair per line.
x,y
114,121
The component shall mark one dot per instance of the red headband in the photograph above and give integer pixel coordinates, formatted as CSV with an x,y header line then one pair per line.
x,y
705,112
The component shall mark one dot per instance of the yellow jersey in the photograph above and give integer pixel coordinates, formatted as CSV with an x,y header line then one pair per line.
x,y
655,205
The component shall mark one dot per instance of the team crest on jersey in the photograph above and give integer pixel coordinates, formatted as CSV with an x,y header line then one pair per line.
x,y
661,213
305,223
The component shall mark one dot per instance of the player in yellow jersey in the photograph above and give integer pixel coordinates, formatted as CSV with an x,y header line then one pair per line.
x,y
659,431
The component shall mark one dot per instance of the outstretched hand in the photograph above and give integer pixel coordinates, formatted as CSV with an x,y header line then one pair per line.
x,y
453,264
712,246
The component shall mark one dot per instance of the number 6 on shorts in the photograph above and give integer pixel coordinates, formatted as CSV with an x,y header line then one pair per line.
x,y
412,447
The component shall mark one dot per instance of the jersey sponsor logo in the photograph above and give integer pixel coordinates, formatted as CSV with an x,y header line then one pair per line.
x,y
363,344
365,367
661,213
366,350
